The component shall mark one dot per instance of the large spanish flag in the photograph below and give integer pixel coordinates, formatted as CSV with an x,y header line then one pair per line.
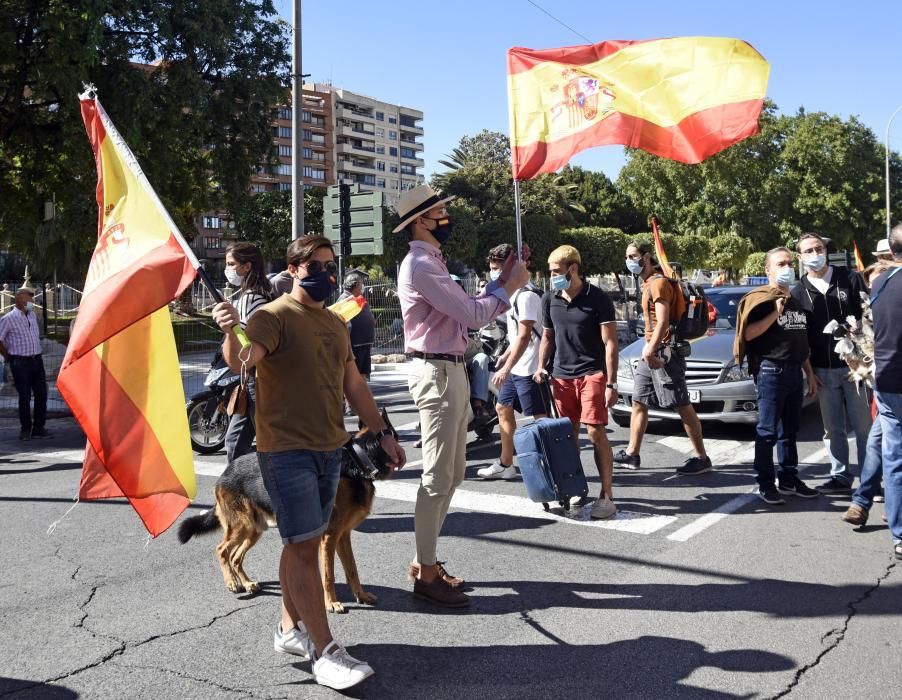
x,y
684,98
120,375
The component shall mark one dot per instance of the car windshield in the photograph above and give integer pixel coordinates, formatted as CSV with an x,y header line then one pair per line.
x,y
726,304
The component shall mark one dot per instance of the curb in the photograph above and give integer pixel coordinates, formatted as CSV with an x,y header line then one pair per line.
x,y
390,367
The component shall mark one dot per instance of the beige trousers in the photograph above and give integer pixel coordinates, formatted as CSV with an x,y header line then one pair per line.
x,y
441,392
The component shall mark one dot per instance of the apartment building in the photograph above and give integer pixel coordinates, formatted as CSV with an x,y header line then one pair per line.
x,y
377,143
346,137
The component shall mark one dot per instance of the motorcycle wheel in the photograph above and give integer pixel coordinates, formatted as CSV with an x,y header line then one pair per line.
x,y
207,435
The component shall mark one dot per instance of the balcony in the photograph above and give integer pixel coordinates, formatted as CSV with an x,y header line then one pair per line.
x,y
356,165
352,114
355,132
418,162
413,129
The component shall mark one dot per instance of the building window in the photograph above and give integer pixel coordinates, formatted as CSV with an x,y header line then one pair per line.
x,y
392,135
380,182
408,153
257,189
212,242
393,168
284,187
211,222
380,116
307,153
284,112
380,133
283,132
408,121
392,151
380,165
380,149
408,170
314,173
305,116
283,169
284,150
392,120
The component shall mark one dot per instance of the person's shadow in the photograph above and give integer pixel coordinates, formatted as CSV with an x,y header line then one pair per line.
x,y
21,688
650,666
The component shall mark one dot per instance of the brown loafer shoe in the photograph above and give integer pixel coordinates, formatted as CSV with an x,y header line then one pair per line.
x,y
440,593
856,515
413,573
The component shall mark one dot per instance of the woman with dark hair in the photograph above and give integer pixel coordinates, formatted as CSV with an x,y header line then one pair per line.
x,y
246,269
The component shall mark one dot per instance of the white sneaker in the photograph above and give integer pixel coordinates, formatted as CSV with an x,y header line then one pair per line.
x,y
497,471
338,670
294,641
603,509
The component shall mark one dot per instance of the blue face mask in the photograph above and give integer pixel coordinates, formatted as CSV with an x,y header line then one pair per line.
x,y
319,285
494,275
786,276
560,282
814,262
634,266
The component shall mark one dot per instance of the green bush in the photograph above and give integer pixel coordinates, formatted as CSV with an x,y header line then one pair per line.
x,y
754,265
602,249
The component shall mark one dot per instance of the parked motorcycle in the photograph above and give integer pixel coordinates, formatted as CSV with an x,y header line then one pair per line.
x,y
208,420
493,342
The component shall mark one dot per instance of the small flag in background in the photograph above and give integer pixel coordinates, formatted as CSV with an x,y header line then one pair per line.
x,y
859,263
659,250
685,98
121,375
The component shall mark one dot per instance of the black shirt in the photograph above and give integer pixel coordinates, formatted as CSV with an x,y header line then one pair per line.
x,y
843,299
786,341
579,350
887,312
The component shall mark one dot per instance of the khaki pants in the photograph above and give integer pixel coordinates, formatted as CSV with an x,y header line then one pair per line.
x,y
441,393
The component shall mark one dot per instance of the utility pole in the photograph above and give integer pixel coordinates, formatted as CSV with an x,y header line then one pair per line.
x,y
297,102
889,215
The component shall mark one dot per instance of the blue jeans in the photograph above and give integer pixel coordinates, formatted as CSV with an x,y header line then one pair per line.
x,y
843,403
890,408
478,369
872,471
779,407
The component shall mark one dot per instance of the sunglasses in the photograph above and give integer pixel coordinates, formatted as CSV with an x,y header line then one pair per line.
x,y
314,267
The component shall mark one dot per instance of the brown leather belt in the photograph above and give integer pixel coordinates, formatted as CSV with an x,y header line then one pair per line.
x,y
457,359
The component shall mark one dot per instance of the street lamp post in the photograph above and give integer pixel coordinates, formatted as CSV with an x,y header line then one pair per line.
x,y
888,211
297,101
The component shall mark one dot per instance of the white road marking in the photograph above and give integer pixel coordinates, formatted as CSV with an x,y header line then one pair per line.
x,y
503,504
704,522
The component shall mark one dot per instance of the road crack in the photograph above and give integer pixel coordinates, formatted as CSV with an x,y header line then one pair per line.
x,y
837,634
123,647
178,674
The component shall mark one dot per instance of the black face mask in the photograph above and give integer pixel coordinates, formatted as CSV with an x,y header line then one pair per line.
x,y
443,229
319,285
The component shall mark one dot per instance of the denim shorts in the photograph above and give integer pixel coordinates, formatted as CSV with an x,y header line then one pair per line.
x,y
523,395
302,486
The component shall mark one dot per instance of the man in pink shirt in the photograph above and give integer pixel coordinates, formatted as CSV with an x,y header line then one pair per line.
x,y
437,313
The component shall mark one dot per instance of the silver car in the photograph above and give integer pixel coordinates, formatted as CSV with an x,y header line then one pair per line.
x,y
718,389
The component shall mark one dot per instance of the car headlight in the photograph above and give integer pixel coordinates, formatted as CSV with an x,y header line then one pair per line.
x,y
625,370
737,373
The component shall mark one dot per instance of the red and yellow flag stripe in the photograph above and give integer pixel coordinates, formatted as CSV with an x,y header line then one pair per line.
x,y
121,375
684,98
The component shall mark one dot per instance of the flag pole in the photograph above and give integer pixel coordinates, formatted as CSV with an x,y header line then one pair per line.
x,y
218,298
519,247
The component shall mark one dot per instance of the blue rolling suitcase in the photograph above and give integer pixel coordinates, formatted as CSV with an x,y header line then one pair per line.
x,y
548,458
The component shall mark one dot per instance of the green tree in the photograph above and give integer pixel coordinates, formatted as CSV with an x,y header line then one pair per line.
x,y
602,203
729,252
479,175
265,220
190,86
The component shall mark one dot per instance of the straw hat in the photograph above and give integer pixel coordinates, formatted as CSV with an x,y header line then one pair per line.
x,y
416,202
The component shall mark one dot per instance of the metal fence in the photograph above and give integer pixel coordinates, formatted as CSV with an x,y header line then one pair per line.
x,y
197,337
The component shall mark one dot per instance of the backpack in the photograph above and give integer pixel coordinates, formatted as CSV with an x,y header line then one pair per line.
x,y
688,312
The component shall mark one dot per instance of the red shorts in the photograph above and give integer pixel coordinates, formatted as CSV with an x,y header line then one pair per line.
x,y
582,399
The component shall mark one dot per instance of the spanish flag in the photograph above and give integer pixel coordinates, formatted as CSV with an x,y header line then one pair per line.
x,y
684,98
663,261
120,375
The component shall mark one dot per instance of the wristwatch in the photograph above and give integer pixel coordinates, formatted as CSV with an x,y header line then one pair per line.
x,y
385,432
612,386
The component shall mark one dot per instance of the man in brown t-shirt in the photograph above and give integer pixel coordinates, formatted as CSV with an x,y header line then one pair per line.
x,y
660,376
305,367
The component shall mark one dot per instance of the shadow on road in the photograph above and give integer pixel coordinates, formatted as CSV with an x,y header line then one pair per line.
x,y
649,666
20,688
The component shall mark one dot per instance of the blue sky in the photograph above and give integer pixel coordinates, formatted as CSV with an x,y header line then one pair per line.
x,y
448,59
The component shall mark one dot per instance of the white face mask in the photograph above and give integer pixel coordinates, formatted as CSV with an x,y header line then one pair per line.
x,y
814,262
233,277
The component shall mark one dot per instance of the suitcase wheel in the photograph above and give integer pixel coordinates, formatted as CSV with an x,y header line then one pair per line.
x,y
545,506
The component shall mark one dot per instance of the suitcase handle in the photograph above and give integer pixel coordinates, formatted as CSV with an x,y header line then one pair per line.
x,y
548,397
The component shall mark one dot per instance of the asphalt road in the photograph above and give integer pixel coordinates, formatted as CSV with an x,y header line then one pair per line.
x,y
696,590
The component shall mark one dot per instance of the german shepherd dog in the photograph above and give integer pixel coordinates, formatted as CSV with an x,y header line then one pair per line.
x,y
244,511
